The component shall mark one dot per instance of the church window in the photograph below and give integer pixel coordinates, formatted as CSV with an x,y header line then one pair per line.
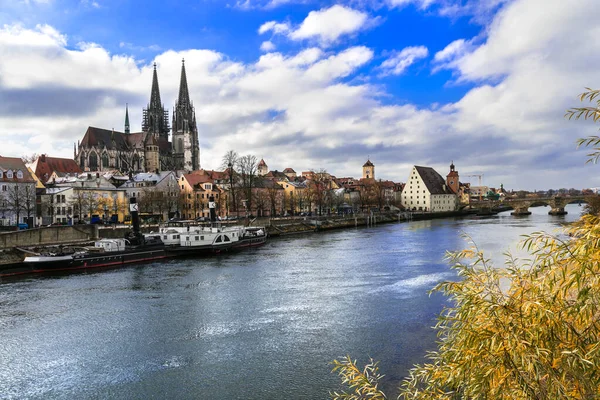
x,y
93,162
104,160
82,162
180,145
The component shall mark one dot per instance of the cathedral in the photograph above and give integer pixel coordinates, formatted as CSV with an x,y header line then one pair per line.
x,y
149,150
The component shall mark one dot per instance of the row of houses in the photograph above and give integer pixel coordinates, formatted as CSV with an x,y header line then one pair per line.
x,y
55,190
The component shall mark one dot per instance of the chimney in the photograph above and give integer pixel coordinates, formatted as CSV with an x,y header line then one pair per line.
x,y
43,158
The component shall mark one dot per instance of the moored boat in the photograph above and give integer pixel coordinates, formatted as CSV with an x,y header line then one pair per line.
x,y
134,248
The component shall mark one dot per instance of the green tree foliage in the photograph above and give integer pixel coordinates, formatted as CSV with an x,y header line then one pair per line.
x,y
530,330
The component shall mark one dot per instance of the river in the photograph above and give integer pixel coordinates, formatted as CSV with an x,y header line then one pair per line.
x,y
264,324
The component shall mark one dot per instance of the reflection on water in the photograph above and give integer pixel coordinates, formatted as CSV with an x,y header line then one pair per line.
x,y
261,324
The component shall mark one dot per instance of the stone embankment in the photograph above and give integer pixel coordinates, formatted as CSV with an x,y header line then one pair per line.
x,y
284,226
14,245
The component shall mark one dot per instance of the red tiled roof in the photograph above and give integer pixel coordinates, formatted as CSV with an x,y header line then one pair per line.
x,y
195,179
15,164
44,166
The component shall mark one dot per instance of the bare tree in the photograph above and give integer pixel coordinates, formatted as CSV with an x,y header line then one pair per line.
x,y
230,163
247,168
28,159
261,201
79,203
29,202
320,188
14,199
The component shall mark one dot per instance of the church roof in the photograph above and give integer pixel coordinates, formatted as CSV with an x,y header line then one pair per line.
x,y
368,164
44,166
114,140
289,171
434,181
98,137
262,163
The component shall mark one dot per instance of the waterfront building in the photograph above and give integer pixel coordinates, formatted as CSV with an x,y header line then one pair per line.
x,y
56,206
149,150
426,190
17,192
195,191
92,196
267,198
157,193
295,196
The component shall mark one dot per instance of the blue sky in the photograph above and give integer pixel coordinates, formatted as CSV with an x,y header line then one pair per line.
x,y
313,84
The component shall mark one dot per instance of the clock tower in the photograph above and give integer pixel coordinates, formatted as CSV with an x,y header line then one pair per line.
x,y
452,179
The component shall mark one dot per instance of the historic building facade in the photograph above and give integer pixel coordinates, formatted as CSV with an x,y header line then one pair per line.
x,y
149,150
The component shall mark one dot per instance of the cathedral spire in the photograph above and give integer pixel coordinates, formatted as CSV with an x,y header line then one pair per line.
x,y
184,94
155,117
127,130
155,94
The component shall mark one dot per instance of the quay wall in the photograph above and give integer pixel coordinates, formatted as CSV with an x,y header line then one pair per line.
x,y
65,235
48,236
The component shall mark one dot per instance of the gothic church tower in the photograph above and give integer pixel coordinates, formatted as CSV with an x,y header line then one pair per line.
x,y
156,118
186,151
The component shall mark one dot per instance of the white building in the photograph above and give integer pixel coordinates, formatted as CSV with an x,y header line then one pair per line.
x,y
426,190
17,192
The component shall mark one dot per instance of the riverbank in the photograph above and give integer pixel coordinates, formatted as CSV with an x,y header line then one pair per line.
x,y
14,246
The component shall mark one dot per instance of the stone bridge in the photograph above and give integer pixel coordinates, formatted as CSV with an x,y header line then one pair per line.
x,y
521,206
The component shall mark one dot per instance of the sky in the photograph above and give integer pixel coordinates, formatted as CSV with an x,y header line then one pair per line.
x,y
316,85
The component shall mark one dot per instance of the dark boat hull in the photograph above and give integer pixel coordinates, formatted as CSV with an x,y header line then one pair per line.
x,y
87,262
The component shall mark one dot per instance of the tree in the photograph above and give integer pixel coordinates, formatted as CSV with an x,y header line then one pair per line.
x,y
29,204
593,206
15,201
538,338
247,171
28,159
78,201
229,163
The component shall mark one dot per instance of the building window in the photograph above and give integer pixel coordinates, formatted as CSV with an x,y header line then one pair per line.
x,y
93,162
9,174
1,174
19,174
4,188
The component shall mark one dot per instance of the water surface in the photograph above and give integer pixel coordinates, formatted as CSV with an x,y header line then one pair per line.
x,y
263,324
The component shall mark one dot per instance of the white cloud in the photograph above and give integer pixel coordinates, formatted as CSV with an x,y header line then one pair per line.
x,y
304,110
422,4
453,50
275,27
325,26
267,46
400,61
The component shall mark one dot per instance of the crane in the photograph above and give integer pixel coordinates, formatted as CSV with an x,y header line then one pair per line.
x,y
480,176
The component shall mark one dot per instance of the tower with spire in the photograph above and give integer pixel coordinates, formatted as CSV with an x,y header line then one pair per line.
x,y
127,128
155,117
186,151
